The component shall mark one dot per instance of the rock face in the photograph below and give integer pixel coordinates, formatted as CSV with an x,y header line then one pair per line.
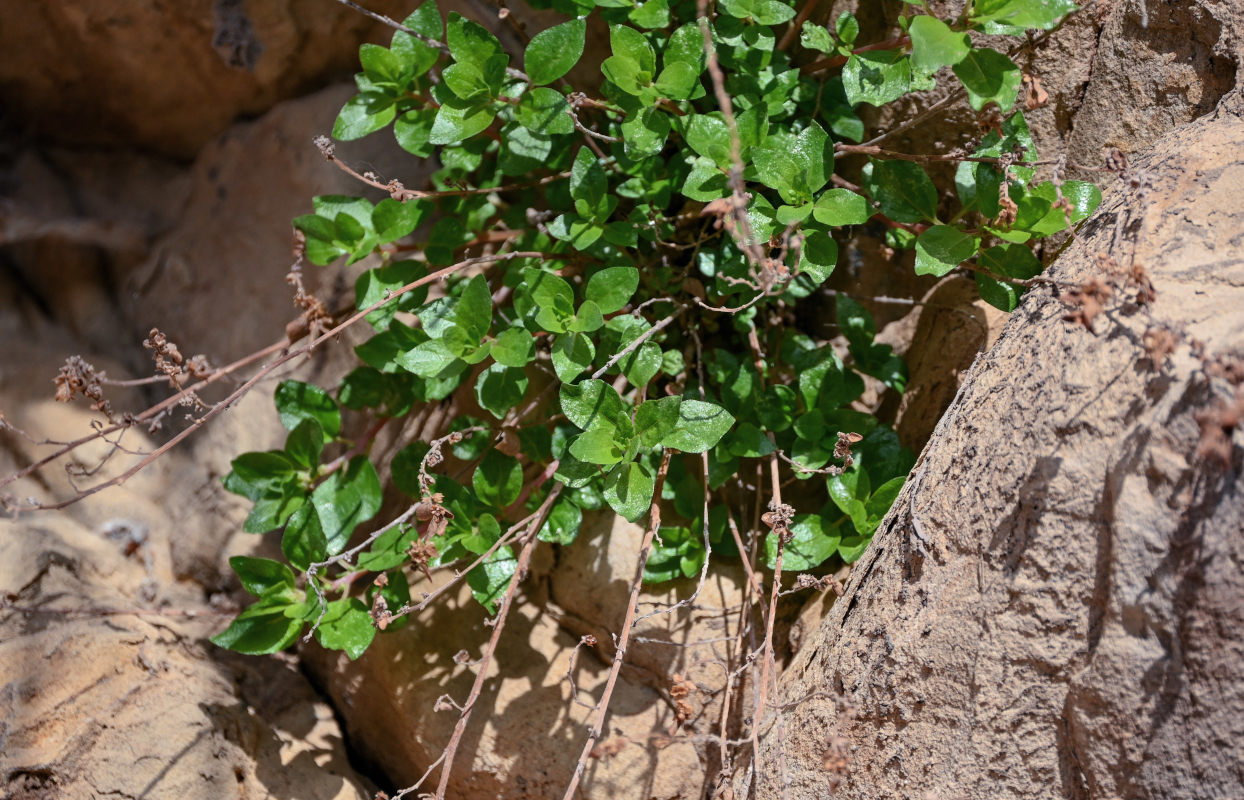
x,y
171,75
1055,606
103,694
529,726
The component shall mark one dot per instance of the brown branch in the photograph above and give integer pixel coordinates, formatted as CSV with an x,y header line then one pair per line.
x,y
268,369
619,653
838,61
520,571
643,337
428,40
149,414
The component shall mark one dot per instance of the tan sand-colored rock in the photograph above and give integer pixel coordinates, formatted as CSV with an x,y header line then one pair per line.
x,y
95,701
527,729
1053,607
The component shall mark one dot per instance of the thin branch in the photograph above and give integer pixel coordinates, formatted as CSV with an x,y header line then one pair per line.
x,y
520,571
269,368
639,340
619,653
345,556
428,40
149,414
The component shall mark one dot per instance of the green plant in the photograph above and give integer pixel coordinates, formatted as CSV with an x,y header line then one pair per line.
x,y
621,337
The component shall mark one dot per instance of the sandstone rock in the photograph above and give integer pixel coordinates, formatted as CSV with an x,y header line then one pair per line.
x,y
944,335
1053,606
529,726
109,689
171,76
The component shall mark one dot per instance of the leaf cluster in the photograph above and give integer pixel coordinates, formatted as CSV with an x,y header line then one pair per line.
x,y
649,247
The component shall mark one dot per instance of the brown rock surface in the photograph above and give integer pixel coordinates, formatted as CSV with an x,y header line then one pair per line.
x,y
103,693
527,730
1054,606
170,75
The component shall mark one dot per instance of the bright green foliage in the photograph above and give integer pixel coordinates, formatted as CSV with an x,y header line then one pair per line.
x,y
644,254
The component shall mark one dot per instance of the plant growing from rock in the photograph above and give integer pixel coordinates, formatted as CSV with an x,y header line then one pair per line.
x,y
599,285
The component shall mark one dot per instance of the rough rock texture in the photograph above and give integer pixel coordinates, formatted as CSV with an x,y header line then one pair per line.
x,y
213,249
98,702
205,726
1055,605
527,730
939,340
171,75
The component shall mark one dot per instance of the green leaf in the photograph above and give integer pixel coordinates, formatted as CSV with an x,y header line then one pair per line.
x,y
413,131
380,64
475,309
812,543
553,295
902,190
389,550
1011,261
305,443
796,166
514,347
490,580
601,444
935,45
989,77
498,479
818,256
563,523
346,626
677,81
572,354
348,497
876,77
591,402
700,426
630,44
644,133
942,248
589,186
419,56
612,287
686,44
428,359
544,111
457,119
554,51
303,541
393,220
260,575
361,115
816,37
469,42
847,27
260,629
628,490
652,14
499,388
748,441
838,207
709,136
1042,14
656,419
375,285
705,181
296,401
